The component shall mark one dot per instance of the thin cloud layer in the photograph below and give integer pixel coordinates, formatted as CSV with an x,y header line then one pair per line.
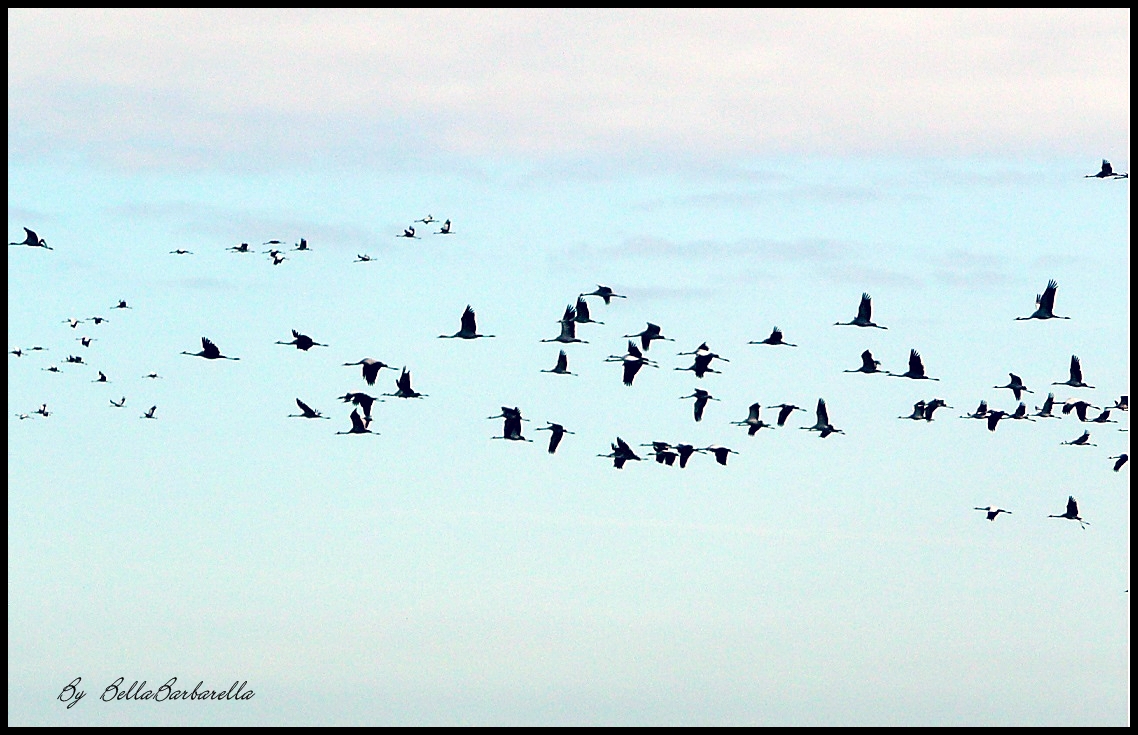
x,y
267,88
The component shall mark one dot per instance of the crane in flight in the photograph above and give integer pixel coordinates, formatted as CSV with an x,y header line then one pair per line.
x,y
701,398
868,364
1076,375
864,315
150,414
209,351
1072,513
719,452
753,422
180,251
1016,385
371,368
633,360
822,423
33,240
307,412
363,400
562,366
784,411
359,425
1044,411
1106,172
621,453
774,339
1045,304
120,403
403,387
1082,441
568,328
301,341
410,232
445,229
932,406
652,332
665,452
363,258
469,328
1079,407
993,511
512,428
303,245
1120,460
916,369
605,293
582,315
558,431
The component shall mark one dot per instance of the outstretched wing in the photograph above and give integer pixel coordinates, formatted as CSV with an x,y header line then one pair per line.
x,y
468,324
209,348
776,335
358,425
916,367
630,370
868,364
634,350
305,408
562,362
1076,370
753,414
1047,298
1072,506
823,416
582,309
865,308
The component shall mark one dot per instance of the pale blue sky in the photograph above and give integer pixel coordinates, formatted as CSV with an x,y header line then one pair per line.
x,y
728,171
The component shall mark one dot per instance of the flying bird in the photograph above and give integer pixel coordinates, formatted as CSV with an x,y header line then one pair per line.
x,y
785,409
822,423
1016,385
427,220
1076,375
753,422
363,400
73,323
307,412
101,379
621,453
582,315
1103,418
209,351
652,332
562,366
918,412
445,229
242,248
303,245
33,240
97,320
278,258
152,376
1122,404
1106,172
555,437
1120,460
916,369
665,453
993,511
359,425
701,366
302,341
150,414
774,339
469,328
719,452
120,305
42,410
512,428
701,398
568,328
932,406
1044,411
85,341
410,232
1020,414
1045,303
120,403
179,251
868,364
994,417
371,368
605,293
1079,407
363,258
703,351
403,387
1072,513
1082,441
633,360
864,315
75,360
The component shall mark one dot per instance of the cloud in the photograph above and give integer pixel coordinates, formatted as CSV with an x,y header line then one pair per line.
x,y
176,88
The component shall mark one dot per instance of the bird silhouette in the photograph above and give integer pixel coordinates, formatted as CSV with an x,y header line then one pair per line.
x,y
359,425
652,332
701,398
701,366
932,406
1044,411
633,360
101,379
822,422
864,315
363,400
918,412
363,258
753,422
1079,407
605,293
558,431
301,341
512,428
209,351
42,410
1072,513
427,220
120,403
306,412
445,229
120,305
371,368
179,251
1076,375
621,453
1120,460
33,240
1122,404
469,328
303,245
562,366
1106,172
916,369
150,414
410,232
868,364
403,387
1103,418
1082,441
568,328
1020,414
242,248
1045,304
1016,385
582,315
993,511
665,453
719,452
774,339
784,411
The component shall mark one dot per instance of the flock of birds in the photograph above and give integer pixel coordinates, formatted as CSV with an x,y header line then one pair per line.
x,y
635,358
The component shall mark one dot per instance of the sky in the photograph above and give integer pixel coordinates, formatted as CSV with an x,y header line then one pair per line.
x,y
728,172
